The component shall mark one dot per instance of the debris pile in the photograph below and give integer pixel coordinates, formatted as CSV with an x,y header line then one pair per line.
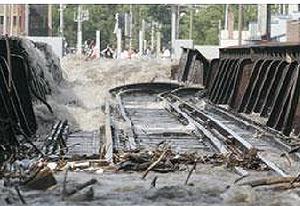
x,y
163,159
33,166
25,80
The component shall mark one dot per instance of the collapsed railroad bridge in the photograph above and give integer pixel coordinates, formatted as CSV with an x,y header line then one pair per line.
x,y
259,83
241,110
244,102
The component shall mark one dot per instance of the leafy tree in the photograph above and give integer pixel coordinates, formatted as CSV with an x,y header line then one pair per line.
x,y
206,20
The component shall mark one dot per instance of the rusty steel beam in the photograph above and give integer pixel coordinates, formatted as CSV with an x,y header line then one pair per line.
x,y
198,118
270,90
193,68
251,79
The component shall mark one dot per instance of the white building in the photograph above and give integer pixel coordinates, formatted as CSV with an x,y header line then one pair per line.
x,y
278,27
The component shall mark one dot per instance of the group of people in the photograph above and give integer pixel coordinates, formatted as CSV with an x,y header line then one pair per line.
x,y
91,51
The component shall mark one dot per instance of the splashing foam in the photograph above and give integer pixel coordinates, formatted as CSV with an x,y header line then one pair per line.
x,y
85,89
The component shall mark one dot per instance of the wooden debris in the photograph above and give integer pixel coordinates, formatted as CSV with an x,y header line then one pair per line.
x,y
240,171
268,181
80,187
295,149
285,186
87,195
240,178
190,173
20,195
153,183
288,158
160,160
64,190
155,163
41,180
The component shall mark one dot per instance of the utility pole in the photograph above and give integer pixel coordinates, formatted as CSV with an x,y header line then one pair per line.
x,y
268,22
141,41
126,24
141,38
98,41
26,20
226,17
119,42
79,32
191,24
11,19
143,28
49,20
262,19
61,20
145,44
240,24
173,30
177,22
18,20
281,8
152,35
5,20
130,28
219,31
158,39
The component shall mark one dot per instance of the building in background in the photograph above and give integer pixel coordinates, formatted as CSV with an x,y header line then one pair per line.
x,y
26,20
12,19
284,27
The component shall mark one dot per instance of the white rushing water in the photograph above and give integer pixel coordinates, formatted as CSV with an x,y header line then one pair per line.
x,y
79,99
85,89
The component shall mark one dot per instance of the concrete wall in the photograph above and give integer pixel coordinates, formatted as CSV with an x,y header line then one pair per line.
x,y
55,42
186,43
293,31
209,52
225,41
232,42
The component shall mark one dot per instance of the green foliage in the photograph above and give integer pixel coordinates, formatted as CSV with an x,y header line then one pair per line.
x,y
249,14
205,24
102,17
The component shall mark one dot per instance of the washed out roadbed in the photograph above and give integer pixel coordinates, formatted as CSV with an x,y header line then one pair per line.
x,y
80,99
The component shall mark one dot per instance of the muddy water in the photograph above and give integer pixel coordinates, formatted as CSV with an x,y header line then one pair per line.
x,y
80,99
209,185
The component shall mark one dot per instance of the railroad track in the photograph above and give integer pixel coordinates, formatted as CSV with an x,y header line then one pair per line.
x,y
145,123
146,116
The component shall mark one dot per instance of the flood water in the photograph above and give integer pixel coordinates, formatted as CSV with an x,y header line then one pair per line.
x,y
80,99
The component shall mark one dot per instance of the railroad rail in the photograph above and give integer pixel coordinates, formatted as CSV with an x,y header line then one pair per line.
x,y
261,82
142,121
145,116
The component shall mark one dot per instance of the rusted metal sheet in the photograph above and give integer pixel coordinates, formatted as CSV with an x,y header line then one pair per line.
x,y
262,80
193,68
241,85
182,64
212,71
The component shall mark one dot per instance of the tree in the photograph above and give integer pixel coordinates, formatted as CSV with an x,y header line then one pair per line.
x,y
102,17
